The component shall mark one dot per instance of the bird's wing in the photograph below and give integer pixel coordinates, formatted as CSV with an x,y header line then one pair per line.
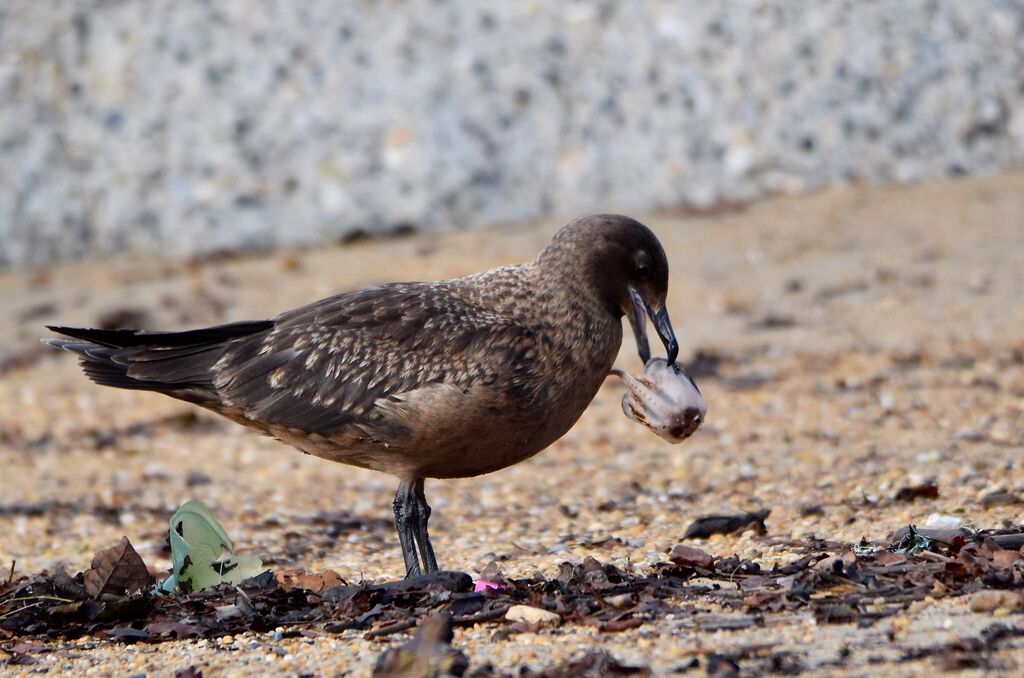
x,y
324,366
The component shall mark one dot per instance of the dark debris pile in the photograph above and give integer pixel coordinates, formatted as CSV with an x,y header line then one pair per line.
x,y
837,583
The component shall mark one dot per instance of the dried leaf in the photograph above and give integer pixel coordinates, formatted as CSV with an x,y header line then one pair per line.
x,y
889,558
316,582
128,633
836,614
492,574
1004,558
82,610
708,525
688,556
927,490
617,625
118,570
179,630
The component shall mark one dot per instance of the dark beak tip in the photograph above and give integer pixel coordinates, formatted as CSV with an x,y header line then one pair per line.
x,y
663,325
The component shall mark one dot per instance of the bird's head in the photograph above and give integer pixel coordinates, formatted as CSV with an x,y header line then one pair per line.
x,y
626,267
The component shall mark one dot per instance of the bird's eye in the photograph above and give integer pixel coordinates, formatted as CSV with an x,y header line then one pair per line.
x,y
643,272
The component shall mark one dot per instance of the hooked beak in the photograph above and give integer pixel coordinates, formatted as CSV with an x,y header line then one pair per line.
x,y
662,324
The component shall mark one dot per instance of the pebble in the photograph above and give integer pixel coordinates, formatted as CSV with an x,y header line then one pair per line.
x,y
995,600
532,615
941,521
484,519
621,600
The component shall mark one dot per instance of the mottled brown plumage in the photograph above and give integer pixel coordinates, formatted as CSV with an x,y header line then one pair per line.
x,y
421,380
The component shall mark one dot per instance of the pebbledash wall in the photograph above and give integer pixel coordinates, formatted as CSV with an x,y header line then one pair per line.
x,y
183,127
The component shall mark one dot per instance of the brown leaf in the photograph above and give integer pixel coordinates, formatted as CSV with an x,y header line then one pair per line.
x,y
117,570
82,610
708,525
836,614
492,573
889,558
617,625
128,634
758,600
925,491
315,582
1004,558
178,629
688,556
28,647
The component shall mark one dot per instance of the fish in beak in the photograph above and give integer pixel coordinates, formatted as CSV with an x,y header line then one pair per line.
x,y
663,326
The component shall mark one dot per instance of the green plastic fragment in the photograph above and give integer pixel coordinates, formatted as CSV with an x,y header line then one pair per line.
x,y
198,543
912,543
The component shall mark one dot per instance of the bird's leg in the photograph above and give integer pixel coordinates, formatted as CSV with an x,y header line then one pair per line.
x,y
422,517
406,525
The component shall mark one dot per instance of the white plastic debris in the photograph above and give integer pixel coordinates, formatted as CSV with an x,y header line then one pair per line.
x,y
941,521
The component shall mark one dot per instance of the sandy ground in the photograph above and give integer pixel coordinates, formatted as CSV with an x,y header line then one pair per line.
x,y
867,339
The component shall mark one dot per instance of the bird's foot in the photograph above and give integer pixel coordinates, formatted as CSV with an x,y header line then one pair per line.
x,y
453,580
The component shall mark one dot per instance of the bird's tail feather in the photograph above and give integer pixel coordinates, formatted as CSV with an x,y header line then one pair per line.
x,y
179,364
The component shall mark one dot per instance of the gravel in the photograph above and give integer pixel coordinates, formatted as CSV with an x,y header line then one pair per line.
x,y
908,371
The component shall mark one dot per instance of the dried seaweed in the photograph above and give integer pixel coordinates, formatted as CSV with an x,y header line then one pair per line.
x,y
836,583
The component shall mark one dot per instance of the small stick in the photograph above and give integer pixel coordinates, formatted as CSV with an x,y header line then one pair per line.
x,y
470,619
10,577
57,598
20,609
397,627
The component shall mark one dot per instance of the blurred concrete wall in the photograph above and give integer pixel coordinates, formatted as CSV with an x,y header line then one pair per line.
x,y
185,126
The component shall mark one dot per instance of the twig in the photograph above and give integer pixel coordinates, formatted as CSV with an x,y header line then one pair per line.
x,y
20,609
397,627
490,615
10,576
341,626
39,598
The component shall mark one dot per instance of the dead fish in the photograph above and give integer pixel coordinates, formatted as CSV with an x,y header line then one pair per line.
x,y
664,399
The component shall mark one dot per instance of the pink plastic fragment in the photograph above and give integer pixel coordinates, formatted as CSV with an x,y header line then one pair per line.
x,y
482,585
